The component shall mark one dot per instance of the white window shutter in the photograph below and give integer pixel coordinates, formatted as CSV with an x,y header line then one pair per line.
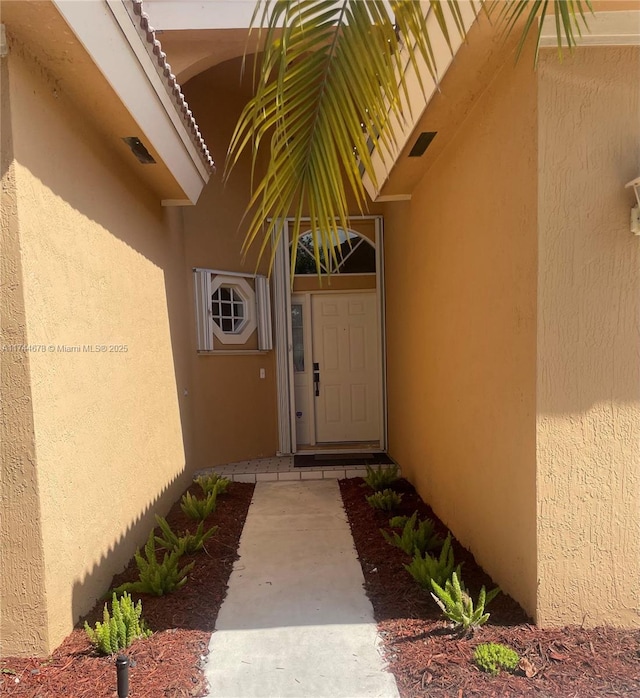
x,y
263,302
202,286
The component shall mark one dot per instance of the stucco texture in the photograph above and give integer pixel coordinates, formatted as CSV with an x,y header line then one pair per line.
x,y
461,331
97,267
235,413
23,612
588,425
214,233
513,298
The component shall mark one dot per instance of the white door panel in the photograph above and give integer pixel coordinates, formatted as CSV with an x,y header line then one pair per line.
x,y
345,346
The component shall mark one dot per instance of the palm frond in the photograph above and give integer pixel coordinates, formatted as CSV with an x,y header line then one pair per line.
x,y
326,89
569,16
329,84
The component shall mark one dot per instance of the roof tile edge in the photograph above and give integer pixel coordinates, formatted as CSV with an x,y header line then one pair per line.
x,y
154,47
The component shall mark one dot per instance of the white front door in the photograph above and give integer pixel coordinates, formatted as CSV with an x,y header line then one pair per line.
x,y
345,358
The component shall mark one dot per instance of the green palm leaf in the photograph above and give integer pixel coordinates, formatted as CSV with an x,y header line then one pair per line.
x,y
329,85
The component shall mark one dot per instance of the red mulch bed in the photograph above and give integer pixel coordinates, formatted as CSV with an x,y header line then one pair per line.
x,y
167,664
427,659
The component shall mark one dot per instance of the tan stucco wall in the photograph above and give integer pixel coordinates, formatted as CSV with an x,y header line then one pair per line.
x,y
334,283
588,427
235,415
23,612
214,232
461,332
98,267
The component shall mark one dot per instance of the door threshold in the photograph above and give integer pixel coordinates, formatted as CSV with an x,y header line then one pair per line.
x,y
336,451
361,459
328,449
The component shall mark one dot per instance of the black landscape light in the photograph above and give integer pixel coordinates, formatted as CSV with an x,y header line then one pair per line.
x,y
122,671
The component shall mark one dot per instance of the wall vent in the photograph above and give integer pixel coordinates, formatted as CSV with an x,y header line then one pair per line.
x,y
422,143
138,149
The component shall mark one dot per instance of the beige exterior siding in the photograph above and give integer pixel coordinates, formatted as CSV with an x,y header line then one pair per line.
x,y
234,409
95,265
23,612
512,293
461,332
588,426
214,233
513,297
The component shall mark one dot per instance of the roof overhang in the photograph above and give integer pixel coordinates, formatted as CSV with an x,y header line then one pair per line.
x,y
421,88
106,30
203,33
465,77
201,14
621,28
114,73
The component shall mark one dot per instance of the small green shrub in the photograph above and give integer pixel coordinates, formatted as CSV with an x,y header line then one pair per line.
x,y
199,509
398,521
425,568
387,500
492,656
185,542
120,628
380,478
458,606
416,537
214,481
157,578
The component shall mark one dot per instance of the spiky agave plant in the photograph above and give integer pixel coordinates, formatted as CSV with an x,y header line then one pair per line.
x,y
417,537
425,568
458,606
185,541
157,578
120,627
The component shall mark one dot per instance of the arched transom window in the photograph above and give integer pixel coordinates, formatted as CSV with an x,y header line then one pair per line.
x,y
355,254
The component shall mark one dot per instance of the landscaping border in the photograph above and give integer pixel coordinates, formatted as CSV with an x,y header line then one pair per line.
x,y
428,659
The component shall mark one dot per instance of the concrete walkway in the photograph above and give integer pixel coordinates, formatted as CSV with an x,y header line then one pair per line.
x,y
296,620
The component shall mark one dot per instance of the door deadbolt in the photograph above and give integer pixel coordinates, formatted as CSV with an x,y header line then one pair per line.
x,y
316,378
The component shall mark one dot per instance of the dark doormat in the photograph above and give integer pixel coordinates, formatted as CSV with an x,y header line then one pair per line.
x,y
334,459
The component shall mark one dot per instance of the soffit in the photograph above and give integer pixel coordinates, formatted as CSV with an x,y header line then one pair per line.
x,y
192,51
149,37
39,28
476,63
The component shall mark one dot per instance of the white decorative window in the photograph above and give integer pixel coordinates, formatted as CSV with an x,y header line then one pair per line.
x,y
233,304
230,307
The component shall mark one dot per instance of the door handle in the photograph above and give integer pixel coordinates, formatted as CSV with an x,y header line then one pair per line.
x,y
316,378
